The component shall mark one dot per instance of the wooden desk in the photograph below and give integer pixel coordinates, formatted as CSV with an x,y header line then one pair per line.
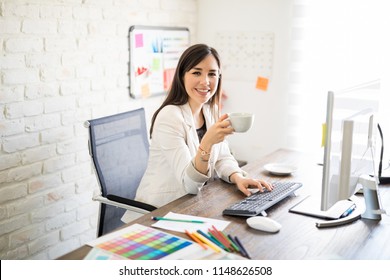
x,y
299,238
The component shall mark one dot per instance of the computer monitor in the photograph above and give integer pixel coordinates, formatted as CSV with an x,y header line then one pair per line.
x,y
349,159
349,149
384,178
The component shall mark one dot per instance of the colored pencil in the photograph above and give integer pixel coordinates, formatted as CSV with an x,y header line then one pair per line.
x,y
232,246
216,241
193,237
236,248
177,220
207,242
213,240
220,239
243,251
206,236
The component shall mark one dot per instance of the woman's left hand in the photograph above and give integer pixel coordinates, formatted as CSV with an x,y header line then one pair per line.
x,y
243,183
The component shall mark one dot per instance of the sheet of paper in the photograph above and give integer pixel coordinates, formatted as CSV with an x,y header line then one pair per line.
x,y
191,227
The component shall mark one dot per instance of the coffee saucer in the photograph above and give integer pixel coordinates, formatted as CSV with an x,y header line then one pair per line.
x,y
280,168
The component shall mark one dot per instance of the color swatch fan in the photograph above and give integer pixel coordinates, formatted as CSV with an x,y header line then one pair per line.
x,y
138,242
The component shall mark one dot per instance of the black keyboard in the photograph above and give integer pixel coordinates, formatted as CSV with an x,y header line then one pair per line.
x,y
261,201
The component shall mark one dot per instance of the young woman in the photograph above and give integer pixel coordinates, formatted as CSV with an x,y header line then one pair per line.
x,y
188,146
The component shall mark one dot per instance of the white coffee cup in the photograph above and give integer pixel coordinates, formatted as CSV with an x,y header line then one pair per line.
x,y
241,122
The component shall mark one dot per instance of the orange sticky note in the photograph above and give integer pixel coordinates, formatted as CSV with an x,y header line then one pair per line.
x,y
262,83
145,90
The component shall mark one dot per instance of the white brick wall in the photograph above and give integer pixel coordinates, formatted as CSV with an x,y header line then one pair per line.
x,y
62,62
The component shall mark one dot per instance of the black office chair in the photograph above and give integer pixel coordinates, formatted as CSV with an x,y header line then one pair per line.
x,y
119,148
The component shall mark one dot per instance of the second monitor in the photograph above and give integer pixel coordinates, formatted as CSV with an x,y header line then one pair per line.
x,y
348,165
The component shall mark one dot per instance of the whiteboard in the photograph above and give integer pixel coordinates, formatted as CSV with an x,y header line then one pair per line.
x,y
153,55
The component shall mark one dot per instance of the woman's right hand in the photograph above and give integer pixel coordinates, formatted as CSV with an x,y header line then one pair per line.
x,y
217,133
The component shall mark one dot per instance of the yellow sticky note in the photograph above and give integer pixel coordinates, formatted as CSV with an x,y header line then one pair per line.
x,y
262,83
323,134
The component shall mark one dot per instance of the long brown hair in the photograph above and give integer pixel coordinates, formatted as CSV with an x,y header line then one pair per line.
x,y
177,94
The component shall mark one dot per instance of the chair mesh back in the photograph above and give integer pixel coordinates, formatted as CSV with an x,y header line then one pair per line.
x,y
120,150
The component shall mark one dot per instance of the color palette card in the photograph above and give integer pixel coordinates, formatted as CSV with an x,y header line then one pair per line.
x,y
138,242
99,254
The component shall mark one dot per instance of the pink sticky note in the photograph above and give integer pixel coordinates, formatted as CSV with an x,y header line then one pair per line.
x,y
139,40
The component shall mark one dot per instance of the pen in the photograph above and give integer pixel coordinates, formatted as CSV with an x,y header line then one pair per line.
x,y
176,220
348,211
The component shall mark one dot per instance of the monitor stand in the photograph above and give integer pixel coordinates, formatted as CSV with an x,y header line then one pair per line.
x,y
373,210
345,211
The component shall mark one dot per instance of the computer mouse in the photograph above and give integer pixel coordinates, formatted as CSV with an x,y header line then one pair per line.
x,y
263,224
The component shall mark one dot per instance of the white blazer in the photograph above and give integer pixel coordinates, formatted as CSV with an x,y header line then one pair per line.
x,y
170,173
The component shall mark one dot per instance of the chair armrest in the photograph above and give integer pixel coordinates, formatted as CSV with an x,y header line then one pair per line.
x,y
130,207
131,202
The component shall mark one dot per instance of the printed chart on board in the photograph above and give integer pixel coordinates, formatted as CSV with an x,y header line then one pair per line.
x,y
246,54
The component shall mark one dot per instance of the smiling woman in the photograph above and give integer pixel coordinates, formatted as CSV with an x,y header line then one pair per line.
x,y
188,136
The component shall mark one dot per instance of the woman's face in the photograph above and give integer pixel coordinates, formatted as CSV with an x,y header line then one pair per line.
x,y
201,82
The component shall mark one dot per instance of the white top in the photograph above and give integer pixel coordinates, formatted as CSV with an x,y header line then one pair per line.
x,y
170,173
